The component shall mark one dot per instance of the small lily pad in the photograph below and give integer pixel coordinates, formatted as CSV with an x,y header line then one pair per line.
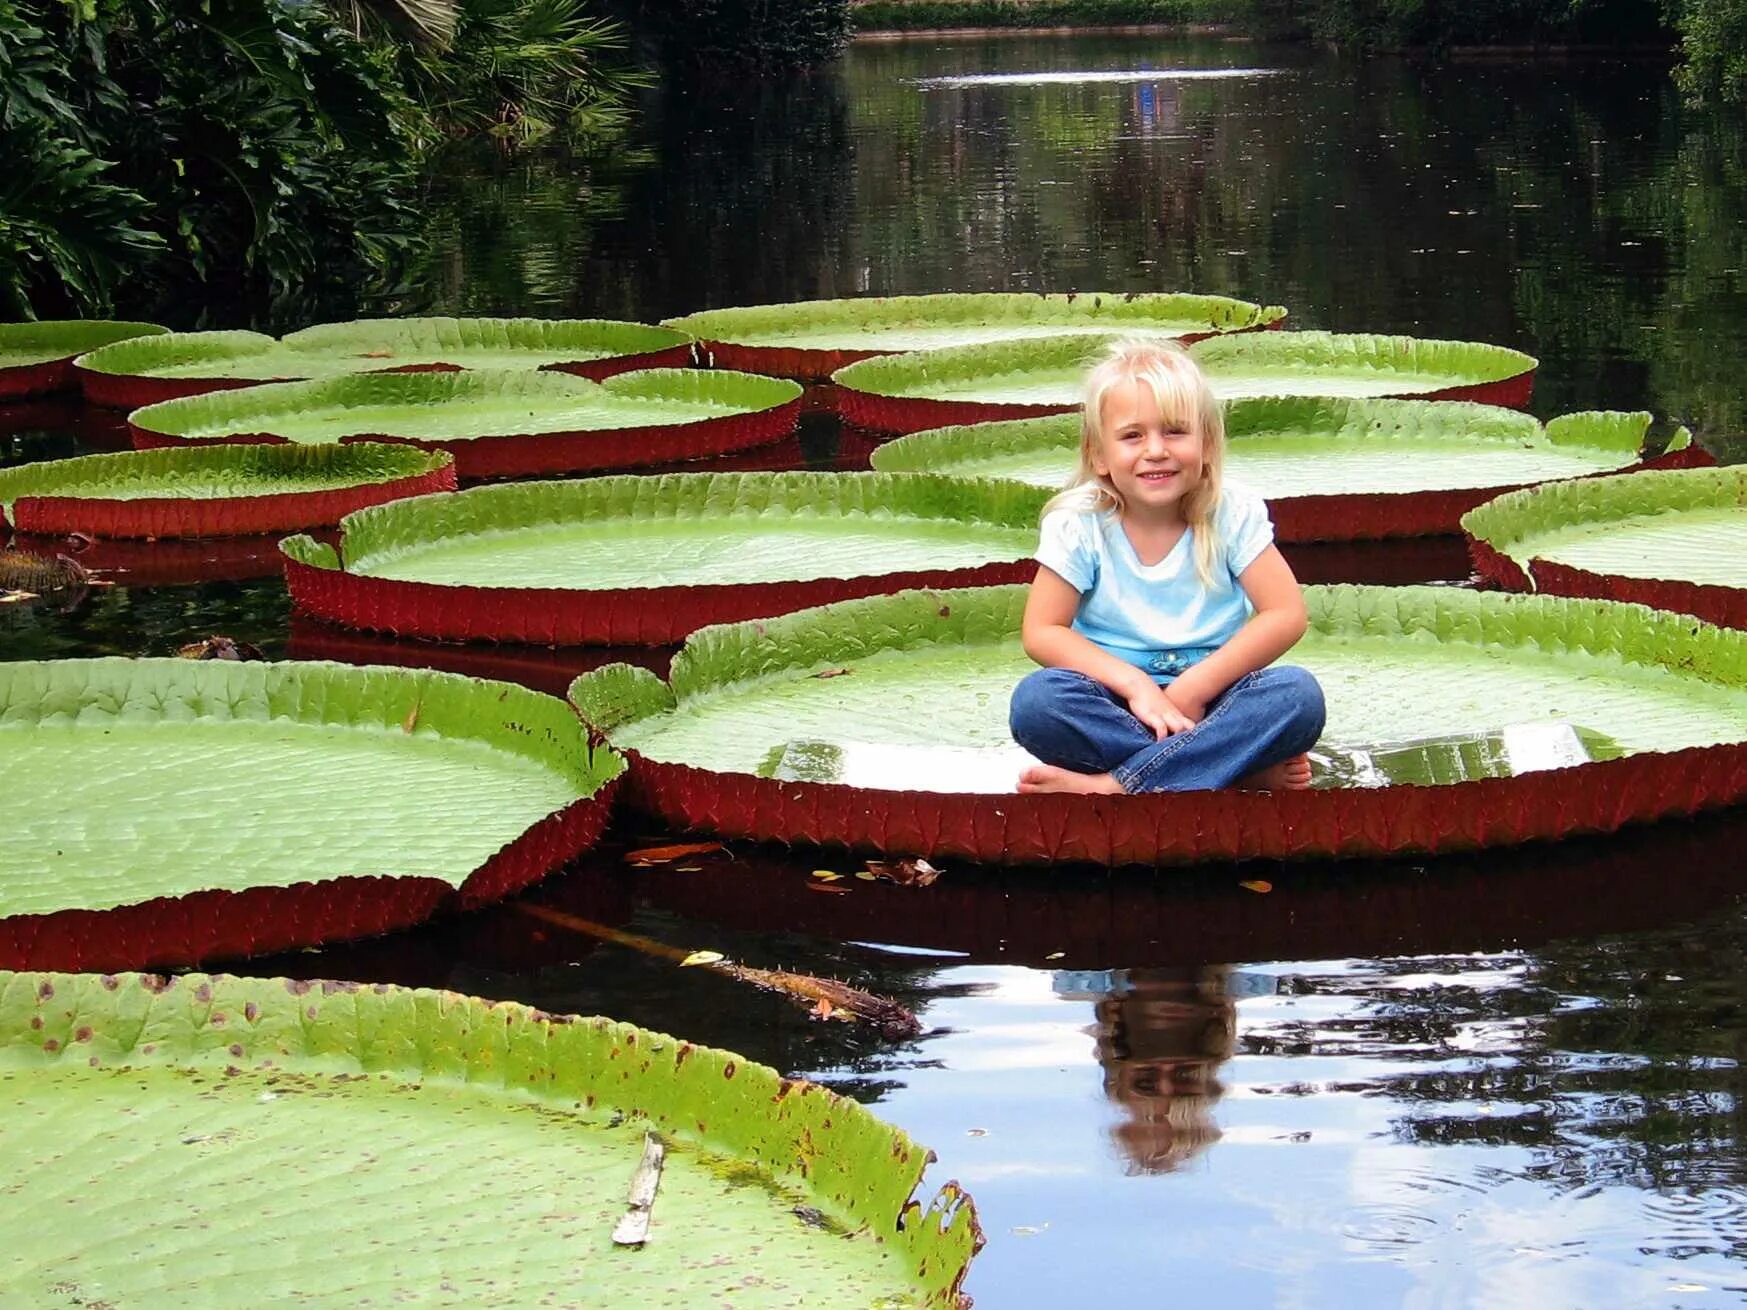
x,y
812,339
190,363
497,423
1330,469
1675,540
221,491
646,560
1027,379
37,358
174,810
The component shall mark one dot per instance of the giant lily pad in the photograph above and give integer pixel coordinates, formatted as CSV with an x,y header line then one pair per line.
x,y
37,358
497,423
190,363
1027,379
1675,540
259,1141
812,339
907,749
1331,470
645,560
222,491
166,811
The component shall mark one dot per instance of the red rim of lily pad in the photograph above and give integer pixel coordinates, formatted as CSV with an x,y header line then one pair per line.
x,y
321,585
210,924
157,517
1163,828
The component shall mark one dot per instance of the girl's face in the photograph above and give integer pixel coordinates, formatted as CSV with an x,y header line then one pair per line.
x,y
1153,460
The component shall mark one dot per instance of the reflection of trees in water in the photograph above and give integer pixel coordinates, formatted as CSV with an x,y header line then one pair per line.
x,y
1617,1060
1161,1036
1531,204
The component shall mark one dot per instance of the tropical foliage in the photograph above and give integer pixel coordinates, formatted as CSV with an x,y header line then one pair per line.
x,y
254,147
265,152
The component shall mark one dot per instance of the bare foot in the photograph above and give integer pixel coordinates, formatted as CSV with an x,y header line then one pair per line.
x,y
1288,775
1046,777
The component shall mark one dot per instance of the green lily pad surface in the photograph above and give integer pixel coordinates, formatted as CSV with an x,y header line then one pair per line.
x,y
234,1141
1311,446
43,342
123,781
376,344
223,472
886,324
689,530
1397,664
460,407
1049,371
646,560
1688,525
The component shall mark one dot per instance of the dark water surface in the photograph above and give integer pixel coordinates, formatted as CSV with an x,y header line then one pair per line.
x,y
1510,1080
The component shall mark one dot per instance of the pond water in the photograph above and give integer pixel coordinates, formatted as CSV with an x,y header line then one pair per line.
x,y
1510,1080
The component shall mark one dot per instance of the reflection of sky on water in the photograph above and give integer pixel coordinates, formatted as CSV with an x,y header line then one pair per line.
x,y
1319,1189
1082,78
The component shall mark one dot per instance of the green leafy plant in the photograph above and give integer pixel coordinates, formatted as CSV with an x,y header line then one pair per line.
x,y
518,71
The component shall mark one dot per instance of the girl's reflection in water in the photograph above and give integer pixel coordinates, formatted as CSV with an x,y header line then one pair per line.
x,y
1161,1035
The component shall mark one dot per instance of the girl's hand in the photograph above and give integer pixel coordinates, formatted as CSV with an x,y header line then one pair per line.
x,y
1152,707
1186,702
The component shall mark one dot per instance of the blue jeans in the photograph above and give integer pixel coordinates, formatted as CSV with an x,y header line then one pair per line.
x,y
1076,722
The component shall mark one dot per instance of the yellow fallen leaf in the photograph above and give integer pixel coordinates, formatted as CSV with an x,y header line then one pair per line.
x,y
866,876
702,957
1256,885
826,875
1055,955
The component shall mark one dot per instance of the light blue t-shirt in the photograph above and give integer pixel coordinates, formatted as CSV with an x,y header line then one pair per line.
x,y
1159,617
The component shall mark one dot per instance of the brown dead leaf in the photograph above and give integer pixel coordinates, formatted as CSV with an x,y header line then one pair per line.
x,y
831,887
663,854
1256,885
411,720
376,354
906,873
822,1009
832,673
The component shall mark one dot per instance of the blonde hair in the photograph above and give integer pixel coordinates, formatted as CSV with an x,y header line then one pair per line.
x,y
1181,392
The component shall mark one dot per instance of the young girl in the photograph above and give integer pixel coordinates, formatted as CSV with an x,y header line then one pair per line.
x,y
1160,603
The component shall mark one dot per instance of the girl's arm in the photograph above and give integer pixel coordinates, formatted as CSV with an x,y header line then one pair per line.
x,y
1050,639
1279,621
